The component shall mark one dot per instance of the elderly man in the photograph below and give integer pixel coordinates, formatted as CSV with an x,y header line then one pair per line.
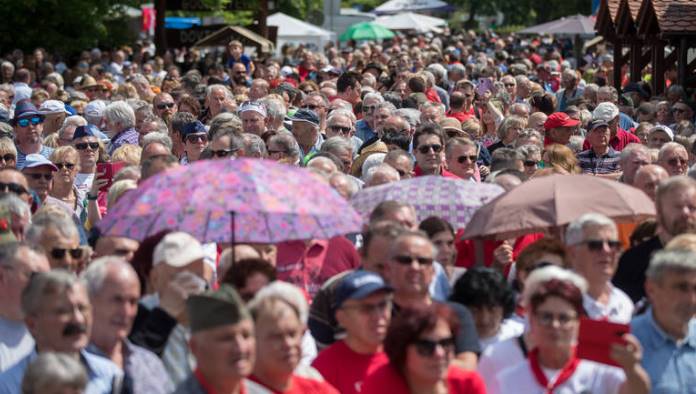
x,y
609,113
66,132
340,124
593,252
674,158
648,178
194,137
259,89
58,315
114,291
223,342
305,129
54,113
682,112
319,104
28,129
254,117
155,144
18,262
381,174
674,202
164,106
429,149
600,159
667,331
461,155
633,158
275,114
121,247
120,125
401,161
217,99
57,234
364,127
570,91
363,308
559,128
659,135
342,149
432,112
226,144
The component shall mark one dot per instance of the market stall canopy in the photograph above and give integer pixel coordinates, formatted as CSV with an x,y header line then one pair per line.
x,y
412,21
397,6
229,33
293,30
366,31
570,25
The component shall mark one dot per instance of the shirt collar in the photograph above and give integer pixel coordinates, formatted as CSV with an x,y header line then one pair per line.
x,y
660,336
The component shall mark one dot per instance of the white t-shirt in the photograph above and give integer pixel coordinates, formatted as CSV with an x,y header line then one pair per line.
x,y
508,329
619,309
83,183
498,357
15,343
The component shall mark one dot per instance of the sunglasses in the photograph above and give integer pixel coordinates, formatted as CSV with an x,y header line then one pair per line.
x,y
85,145
222,152
36,177
34,120
8,157
471,158
12,188
59,253
597,245
369,108
676,161
165,105
408,260
424,149
312,107
69,166
530,163
426,347
340,129
193,138
509,85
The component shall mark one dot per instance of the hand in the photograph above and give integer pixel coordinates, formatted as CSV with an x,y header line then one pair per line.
x,y
502,256
484,171
627,355
98,183
173,298
229,105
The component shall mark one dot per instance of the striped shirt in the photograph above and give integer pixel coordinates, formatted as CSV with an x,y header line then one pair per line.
x,y
45,151
608,163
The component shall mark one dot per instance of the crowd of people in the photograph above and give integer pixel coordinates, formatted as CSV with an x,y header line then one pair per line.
x,y
404,306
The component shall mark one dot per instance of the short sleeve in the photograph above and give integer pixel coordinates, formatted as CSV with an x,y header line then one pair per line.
x,y
467,337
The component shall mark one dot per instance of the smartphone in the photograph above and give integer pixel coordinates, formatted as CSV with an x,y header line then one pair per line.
x,y
596,337
484,85
109,170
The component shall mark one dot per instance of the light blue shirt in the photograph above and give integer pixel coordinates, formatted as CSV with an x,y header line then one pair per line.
x,y
439,288
101,374
671,366
363,130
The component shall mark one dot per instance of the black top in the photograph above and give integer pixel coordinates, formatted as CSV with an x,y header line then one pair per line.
x,y
151,329
630,275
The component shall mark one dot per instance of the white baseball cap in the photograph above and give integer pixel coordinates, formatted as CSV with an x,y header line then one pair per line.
x,y
177,250
53,107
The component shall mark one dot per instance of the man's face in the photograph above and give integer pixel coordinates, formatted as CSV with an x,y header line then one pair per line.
x,y
462,160
253,122
510,86
239,74
305,133
235,51
368,108
430,153
339,126
40,179
154,149
633,163
17,181
673,299
366,320
225,352
599,138
675,161
221,148
411,270
561,135
604,97
657,138
63,322
14,278
648,179
258,91
676,212
87,150
194,145
215,100
597,256
164,106
279,345
431,114
62,251
377,255
115,304
379,117
116,246
681,112
403,165
29,130
316,104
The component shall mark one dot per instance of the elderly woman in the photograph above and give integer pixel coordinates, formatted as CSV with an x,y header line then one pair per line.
x,y
420,347
54,373
553,298
532,158
8,154
508,131
283,148
66,159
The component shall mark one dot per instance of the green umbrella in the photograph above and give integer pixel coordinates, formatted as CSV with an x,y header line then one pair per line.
x,y
366,31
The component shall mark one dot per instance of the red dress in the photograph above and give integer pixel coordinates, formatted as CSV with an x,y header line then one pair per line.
x,y
386,380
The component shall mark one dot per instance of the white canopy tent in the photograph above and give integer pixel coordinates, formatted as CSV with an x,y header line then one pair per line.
x,y
295,31
396,6
412,21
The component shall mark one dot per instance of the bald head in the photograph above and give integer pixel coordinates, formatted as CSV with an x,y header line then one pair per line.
x,y
648,177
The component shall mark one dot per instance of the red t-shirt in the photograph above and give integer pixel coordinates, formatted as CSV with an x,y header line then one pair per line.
x,y
466,254
431,95
619,141
462,116
386,380
418,172
300,385
345,369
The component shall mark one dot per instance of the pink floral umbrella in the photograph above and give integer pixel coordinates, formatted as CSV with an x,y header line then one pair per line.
x,y
244,200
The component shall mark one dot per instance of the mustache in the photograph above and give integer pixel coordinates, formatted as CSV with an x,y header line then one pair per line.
x,y
73,329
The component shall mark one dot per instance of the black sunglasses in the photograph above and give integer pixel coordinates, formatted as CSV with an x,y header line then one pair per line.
x,y
312,107
193,138
426,347
12,188
84,145
341,129
471,158
69,166
59,253
165,105
36,177
408,260
8,157
424,149
222,152
530,163
597,245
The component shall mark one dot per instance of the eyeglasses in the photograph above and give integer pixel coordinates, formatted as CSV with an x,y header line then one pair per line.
x,y
393,131
547,318
408,260
193,138
509,85
340,129
8,157
222,152
368,309
424,149
12,188
597,245
36,177
369,108
471,158
34,120
530,163
165,105
59,253
426,347
676,161
69,166
85,145
312,107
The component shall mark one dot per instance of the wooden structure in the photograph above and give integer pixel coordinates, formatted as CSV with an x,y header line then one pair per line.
x,y
640,30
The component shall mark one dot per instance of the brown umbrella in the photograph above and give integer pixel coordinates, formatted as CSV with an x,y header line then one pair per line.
x,y
552,201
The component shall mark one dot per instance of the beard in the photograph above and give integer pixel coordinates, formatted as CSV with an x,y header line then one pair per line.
x,y
680,226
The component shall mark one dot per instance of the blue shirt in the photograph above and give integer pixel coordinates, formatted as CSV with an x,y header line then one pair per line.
x,y
101,374
22,157
671,366
363,130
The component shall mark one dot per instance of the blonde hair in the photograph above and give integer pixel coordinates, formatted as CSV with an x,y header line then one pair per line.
x,y
51,140
562,158
117,190
128,153
62,152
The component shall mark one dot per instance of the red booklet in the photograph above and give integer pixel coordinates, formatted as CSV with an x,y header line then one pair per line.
x,y
597,336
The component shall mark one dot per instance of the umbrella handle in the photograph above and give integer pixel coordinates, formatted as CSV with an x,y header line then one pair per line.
x,y
478,253
233,236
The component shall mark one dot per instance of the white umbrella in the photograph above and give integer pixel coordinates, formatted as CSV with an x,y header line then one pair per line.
x,y
412,21
395,6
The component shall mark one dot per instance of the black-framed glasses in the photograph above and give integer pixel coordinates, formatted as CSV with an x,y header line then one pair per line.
x,y
426,347
69,166
597,245
463,158
34,120
408,260
547,318
425,149
59,253
222,153
165,105
340,129
85,145
8,157
368,309
13,188
530,163
37,176
193,138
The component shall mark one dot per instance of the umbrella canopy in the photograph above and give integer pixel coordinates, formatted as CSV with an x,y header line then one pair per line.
x,y
451,199
412,21
396,6
557,200
270,203
570,25
366,31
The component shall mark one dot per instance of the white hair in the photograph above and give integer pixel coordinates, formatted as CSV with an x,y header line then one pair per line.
x,y
210,89
373,160
120,113
54,371
159,138
94,275
286,292
679,261
545,274
575,233
50,219
384,169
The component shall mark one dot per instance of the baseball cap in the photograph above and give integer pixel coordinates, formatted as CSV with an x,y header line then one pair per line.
x,y
177,250
663,129
605,111
306,115
255,106
597,123
24,109
358,285
560,119
86,131
95,108
53,107
195,127
451,124
35,160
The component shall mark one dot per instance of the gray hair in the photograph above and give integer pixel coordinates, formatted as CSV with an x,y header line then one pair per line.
x,y
254,145
507,123
337,144
236,142
529,150
632,148
373,160
72,120
159,138
53,370
285,292
381,168
288,142
94,275
353,186
275,109
42,221
411,115
341,113
15,205
438,71
375,96
542,275
677,261
668,147
45,284
530,133
138,104
575,233
225,120
209,90
161,126
119,112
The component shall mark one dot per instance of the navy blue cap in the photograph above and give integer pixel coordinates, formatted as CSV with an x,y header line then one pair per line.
x,y
195,127
24,109
86,131
358,285
306,115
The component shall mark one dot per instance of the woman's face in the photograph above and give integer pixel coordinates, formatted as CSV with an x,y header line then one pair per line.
x,y
554,324
531,164
427,360
446,252
67,169
487,319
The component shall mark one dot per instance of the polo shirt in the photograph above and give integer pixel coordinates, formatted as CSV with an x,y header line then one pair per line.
x,y
345,369
670,365
607,163
619,309
127,136
619,141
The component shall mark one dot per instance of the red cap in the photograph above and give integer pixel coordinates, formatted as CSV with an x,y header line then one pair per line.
x,y
560,119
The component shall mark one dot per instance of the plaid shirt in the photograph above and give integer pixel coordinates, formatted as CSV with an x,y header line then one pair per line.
x,y
608,163
127,136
